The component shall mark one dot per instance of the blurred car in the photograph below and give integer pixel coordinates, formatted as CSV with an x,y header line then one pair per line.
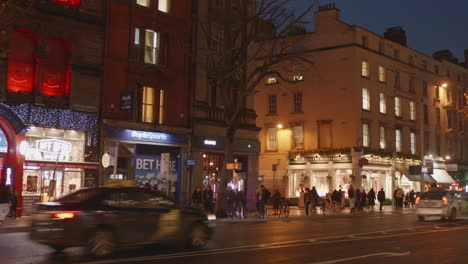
x,y
441,203
104,218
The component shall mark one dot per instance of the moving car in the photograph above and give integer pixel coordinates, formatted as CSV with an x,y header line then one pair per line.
x,y
441,203
104,218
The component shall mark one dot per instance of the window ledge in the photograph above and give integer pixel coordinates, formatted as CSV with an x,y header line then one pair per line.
x,y
297,113
272,114
366,110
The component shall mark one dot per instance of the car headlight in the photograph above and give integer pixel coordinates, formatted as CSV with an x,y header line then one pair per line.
x,y
211,217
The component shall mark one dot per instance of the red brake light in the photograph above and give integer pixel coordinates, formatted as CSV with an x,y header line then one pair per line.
x,y
65,215
417,200
445,200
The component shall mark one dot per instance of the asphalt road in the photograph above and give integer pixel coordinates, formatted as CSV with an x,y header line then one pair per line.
x,y
396,238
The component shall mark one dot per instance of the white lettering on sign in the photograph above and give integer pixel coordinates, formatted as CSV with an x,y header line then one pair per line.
x,y
210,142
149,135
53,146
151,164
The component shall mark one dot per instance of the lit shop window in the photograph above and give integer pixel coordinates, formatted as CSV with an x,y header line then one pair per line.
x,y
143,2
382,104
147,107
272,139
163,6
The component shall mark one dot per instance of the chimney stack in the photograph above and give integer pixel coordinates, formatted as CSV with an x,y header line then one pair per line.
x,y
396,34
326,16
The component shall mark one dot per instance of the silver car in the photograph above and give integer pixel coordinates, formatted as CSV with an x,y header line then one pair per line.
x,y
441,203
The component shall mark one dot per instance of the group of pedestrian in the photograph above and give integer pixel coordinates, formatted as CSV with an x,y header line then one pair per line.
x,y
401,199
203,199
311,199
360,199
337,199
235,203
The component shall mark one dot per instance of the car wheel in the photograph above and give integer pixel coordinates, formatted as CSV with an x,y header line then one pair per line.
x,y
421,218
101,243
453,215
198,236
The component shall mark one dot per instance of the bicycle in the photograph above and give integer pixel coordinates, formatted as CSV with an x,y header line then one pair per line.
x,y
283,209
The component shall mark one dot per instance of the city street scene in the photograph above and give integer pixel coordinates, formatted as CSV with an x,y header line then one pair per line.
x,y
233,131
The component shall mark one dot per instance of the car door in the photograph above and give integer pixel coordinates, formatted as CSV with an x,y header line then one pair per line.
x,y
161,216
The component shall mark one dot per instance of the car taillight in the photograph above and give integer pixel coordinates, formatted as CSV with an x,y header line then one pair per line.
x,y
65,214
417,200
445,200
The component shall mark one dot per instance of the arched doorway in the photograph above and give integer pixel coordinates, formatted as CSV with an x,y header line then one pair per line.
x,y
12,129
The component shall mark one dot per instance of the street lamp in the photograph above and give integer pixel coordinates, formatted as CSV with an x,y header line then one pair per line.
x,y
445,85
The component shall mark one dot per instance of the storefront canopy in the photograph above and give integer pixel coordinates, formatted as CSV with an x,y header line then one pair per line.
x,y
441,176
417,178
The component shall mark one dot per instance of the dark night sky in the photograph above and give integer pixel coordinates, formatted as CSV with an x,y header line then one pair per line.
x,y
430,25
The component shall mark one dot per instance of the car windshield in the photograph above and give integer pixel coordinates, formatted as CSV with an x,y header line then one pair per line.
x,y
433,195
79,196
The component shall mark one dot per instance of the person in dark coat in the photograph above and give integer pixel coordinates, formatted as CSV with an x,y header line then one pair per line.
x,y
208,199
412,196
13,204
307,200
197,198
363,199
276,199
371,198
381,198
339,198
333,197
314,198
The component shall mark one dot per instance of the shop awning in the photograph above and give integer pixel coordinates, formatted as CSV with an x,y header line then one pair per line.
x,y
428,178
415,178
441,176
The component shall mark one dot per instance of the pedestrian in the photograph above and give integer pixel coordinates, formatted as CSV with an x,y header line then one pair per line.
x,y
358,199
13,204
399,197
307,200
314,198
351,197
240,204
197,198
381,198
339,198
371,198
4,201
412,197
264,197
395,197
363,199
230,197
208,199
276,199
333,198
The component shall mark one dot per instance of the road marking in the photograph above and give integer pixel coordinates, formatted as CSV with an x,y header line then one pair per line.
x,y
385,254
257,248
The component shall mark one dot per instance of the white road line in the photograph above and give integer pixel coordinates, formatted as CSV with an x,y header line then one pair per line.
x,y
256,248
385,254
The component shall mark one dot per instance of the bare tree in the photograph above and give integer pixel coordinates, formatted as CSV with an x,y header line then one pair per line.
x,y
250,40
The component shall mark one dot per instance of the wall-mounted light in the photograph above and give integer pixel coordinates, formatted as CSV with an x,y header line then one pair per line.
x,y
279,126
445,85
447,157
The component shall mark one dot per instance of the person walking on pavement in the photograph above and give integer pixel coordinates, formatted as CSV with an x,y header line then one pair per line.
x,y
363,199
208,199
314,198
263,198
412,197
381,198
230,202
197,197
276,199
351,197
339,198
399,197
307,200
371,198
240,204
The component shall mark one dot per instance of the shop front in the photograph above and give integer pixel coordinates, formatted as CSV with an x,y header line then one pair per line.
x,y
146,157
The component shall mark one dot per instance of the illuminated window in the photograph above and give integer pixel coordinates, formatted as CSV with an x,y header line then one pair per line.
x,y
297,78
298,137
365,69
412,107
397,106
136,44
143,2
365,135
398,140
271,104
272,80
22,65
413,142
55,70
297,103
147,107
381,74
163,6
365,99
272,139
382,104
151,46
162,106
383,143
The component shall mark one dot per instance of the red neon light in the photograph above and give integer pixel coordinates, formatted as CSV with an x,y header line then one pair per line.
x,y
68,2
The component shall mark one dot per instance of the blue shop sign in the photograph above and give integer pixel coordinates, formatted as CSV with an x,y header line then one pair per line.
x,y
146,136
126,101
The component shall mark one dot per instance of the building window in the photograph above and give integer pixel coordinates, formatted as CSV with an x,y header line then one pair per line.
x,y
381,48
365,69
151,46
364,41
437,117
55,72
412,107
411,84
437,92
383,104
298,73
22,66
382,141
271,104
272,139
162,106
297,103
365,135
143,2
398,106
449,120
324,134
136,44
163,6
426,114
424,87
298,137
381,74
365,99
396,79
147,105
424,65
398,140
272,80
413,142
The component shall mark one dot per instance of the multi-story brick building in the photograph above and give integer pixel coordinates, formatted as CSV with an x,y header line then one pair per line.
x,y
50,82
145,102
366,110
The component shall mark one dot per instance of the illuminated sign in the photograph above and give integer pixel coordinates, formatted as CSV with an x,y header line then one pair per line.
x,y
143,135
53,146
209,142
114,132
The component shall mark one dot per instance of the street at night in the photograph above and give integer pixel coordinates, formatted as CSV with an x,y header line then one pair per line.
x,y
379,238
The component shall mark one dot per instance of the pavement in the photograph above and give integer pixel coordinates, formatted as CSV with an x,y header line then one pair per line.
x,y
22,224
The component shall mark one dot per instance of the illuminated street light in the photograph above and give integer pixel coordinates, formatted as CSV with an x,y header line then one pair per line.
x,y
279,126
447,157
445,85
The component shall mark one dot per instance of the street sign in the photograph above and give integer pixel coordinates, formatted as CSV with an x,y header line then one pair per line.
x,y
452,167
191,162
232,166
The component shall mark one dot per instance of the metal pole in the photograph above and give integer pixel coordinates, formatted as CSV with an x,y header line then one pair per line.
x,y
116,159
423,163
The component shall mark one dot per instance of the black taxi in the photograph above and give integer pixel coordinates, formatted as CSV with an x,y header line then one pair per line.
x,y
104,218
